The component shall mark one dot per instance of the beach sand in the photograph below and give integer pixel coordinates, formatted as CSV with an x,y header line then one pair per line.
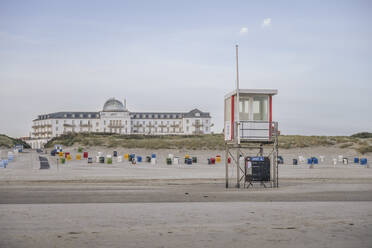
x,y
122,205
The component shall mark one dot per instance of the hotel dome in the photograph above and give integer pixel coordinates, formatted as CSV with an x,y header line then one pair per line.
x,y
113,105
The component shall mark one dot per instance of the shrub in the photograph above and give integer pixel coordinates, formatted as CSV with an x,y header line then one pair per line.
x,y
364,149
345,145
362,135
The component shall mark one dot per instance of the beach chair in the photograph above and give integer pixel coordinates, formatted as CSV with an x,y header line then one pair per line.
x,y
321,159
301,159
44,164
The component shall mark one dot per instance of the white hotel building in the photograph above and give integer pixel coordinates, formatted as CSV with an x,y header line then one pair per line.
x,y
115,118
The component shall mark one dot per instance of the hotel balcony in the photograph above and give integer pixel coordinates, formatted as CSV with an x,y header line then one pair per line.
x,y
42,133
197,125
69,125
115,126
86,125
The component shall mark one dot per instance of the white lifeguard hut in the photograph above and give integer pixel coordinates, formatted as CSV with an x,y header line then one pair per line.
x,y
254,117
248,124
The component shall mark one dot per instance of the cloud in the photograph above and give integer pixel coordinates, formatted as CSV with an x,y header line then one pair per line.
x,y
266,23
243,30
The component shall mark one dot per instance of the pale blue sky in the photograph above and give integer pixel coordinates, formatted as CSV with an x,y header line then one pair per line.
x,y
177,55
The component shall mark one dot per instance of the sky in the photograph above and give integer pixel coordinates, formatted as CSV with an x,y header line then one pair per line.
x,y
179,55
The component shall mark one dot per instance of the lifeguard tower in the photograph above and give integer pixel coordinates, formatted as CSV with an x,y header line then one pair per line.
x,y
248,125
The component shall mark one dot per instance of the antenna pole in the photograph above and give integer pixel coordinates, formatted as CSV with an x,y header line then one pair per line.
x,y
237,94
237,119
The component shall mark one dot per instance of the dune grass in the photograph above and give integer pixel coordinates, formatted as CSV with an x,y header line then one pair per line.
x,y
8,142
211,141
200,142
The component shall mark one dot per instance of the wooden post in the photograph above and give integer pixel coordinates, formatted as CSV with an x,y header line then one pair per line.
x,y
238,167
227,165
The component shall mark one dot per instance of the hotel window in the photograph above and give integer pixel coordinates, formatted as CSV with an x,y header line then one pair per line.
x,y
56,121
187,121
81,122
56,128
187,129
96,124
156,123
104,122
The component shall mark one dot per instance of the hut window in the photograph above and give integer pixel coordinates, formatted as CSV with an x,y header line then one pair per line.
x,y
260,108
244,109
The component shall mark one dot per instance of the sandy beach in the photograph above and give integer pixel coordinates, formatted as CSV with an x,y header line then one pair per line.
x,y
123,205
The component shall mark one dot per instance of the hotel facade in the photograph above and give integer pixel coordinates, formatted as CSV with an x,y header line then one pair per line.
x,y
115,118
